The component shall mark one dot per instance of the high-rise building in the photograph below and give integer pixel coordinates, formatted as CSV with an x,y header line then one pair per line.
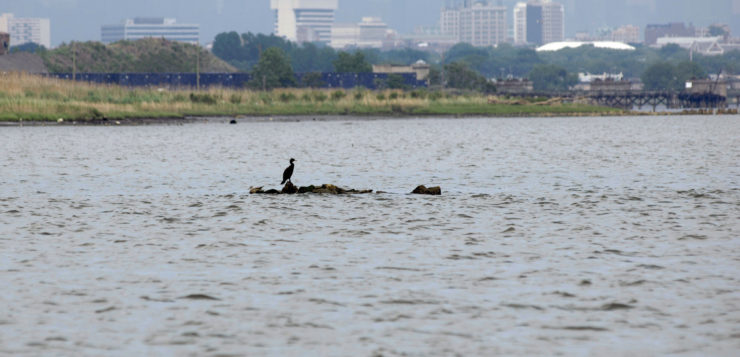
x,y
154,27
520,23
539,22
26,30
479,23
449,22
304,20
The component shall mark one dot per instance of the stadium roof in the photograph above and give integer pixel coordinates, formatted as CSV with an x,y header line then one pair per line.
x,y
611,45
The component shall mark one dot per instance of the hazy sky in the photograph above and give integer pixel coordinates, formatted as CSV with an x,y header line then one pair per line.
x,y
81,19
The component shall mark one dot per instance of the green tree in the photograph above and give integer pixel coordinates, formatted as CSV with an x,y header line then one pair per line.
x,y
459,75
396,81
312,80
352,63
549,77
715,30
228,46
273,70
660,76
689,70
27,47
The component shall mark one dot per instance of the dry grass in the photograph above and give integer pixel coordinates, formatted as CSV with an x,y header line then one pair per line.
x,y
31,97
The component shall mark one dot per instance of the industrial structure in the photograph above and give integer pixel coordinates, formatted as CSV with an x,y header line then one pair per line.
x,y
539,22
304,20
26,29
479,23
420,69
150,27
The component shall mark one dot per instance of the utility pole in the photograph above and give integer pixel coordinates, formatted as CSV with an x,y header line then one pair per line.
x,y
197,67
442,73
74,61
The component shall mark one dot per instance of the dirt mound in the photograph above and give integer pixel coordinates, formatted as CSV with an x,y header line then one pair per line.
x,y
22,62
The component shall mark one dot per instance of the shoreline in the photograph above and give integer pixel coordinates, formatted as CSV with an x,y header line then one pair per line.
x,y
33,100
226,118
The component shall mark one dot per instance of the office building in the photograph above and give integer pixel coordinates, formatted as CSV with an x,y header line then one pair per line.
x,y
26,30
520,23
304,20
676,29
150,27
479,23
626,34
539,22
371,32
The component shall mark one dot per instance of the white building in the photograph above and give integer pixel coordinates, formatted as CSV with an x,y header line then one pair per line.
x,y
371,32
539,22
26,30
154,27
520,23
626,34
477,23
304,20
449,22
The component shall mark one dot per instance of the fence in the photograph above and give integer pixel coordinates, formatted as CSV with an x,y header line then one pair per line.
x,y
238,80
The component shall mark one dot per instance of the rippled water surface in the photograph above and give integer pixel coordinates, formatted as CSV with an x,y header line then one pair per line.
x,y
577,236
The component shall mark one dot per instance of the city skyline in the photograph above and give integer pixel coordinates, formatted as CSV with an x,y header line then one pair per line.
x,y
80,20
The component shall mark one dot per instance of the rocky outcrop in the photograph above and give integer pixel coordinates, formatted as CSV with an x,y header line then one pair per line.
x,y
290,189
423,190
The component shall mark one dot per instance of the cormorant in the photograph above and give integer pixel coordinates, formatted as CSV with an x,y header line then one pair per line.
x,y
288,172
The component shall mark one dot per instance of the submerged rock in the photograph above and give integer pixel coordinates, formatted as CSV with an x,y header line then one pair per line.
x,y
290,189
423,190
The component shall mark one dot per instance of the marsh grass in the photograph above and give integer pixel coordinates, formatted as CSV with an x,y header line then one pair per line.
x,y
31,97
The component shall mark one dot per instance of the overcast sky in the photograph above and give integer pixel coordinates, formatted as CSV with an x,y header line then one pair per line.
x,y
81,19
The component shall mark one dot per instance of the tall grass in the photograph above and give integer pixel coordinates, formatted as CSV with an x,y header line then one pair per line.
x,y
31,97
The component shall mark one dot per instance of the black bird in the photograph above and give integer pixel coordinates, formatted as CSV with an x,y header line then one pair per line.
x,y
288,172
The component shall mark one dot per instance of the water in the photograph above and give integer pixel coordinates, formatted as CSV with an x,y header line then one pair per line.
x,y
577,236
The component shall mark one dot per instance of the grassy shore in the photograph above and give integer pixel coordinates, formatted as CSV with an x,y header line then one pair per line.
x,y
28,97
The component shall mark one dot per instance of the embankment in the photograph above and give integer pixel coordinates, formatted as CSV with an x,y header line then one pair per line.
x,y
29,97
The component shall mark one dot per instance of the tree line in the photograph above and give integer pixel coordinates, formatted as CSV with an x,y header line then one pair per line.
x,y
271,58
469,67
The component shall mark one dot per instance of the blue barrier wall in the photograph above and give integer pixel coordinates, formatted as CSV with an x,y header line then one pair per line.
x,y
234,80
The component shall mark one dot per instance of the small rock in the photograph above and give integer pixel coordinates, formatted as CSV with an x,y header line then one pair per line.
x,y
307,189
423,190
60,120
289,189
255,190
199,297
233,121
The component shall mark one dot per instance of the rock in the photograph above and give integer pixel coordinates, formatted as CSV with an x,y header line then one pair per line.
x,y
423,190
232,122
306,189
289,189
272,192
